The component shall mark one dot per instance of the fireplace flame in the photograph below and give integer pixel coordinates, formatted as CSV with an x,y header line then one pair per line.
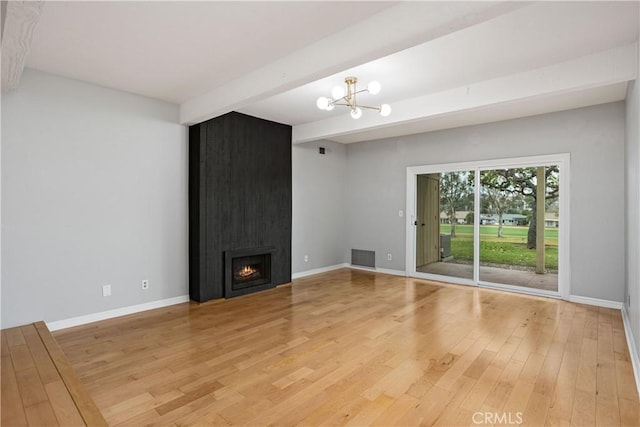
x,y
247,271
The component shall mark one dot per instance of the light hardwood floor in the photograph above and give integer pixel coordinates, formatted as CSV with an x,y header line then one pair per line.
x,y
360,348
39,388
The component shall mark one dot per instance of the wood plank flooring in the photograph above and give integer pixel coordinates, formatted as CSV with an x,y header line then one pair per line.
x,y
38,386
358,348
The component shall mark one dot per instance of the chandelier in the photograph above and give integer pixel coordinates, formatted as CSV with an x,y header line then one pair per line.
x,y
347,98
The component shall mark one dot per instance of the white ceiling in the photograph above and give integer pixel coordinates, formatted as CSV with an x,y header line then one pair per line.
x,y
176,50
274,59
528,38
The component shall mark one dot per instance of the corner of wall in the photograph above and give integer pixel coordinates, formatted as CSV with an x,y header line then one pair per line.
x,y
632,212
319,170
96,194
633,347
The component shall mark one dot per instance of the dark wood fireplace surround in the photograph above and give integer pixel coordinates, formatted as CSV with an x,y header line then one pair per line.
x,y
239,205
247,270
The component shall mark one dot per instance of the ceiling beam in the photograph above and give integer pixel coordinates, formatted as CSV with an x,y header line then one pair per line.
x,y
19,21
399,27
596,70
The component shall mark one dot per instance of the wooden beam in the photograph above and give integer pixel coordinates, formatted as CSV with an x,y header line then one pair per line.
x,y
540,199
596,70
19,21
399,27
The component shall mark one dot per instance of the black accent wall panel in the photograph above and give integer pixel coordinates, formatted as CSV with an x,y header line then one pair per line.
x,y
239,197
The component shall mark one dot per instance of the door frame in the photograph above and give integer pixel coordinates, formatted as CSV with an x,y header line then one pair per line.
x,y
563,160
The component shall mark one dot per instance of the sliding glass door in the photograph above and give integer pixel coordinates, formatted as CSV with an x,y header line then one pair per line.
x,y
444,224
519,227
497,224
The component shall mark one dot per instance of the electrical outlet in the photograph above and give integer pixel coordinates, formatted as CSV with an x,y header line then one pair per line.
x,y
400,213
306,258
389,257
145,284
106,290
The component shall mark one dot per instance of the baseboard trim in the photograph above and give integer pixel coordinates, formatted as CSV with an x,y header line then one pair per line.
x,y
392,272
595,301
110,314
522,290
631,344
318,271
378,270
346,265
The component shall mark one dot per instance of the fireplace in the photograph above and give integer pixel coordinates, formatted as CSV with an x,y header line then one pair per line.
x,y
247,270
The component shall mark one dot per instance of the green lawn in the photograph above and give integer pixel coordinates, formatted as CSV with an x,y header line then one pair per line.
x,y
508,250
516,234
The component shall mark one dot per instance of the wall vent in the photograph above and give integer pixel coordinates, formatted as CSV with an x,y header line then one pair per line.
x,y
363,258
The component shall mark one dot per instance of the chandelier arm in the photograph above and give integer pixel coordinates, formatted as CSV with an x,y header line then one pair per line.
x,y
370,108
345,98
357,105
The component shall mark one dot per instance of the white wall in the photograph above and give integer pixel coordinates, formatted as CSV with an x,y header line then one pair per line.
x,y
632,217
1,222
318,205
594,136
94,192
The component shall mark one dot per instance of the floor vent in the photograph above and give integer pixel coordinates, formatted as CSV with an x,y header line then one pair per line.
x,y
363,258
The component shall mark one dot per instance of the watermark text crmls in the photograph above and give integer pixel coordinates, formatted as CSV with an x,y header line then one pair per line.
x,y
509,418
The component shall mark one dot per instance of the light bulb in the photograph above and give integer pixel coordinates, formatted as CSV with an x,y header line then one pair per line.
x,y
337,92
374,87
330,106
385,110
356,113
322,103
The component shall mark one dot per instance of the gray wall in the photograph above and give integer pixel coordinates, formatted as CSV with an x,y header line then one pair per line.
x,y
632,218
94,192
376,185
318,205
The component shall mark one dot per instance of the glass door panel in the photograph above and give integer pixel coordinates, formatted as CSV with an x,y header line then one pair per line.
x,y
444,224
519,227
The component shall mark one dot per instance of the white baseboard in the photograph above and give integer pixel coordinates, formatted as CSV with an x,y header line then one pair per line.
x,y
318,271
520,290
94,317
633,350
391,272
596,301
378,270
346,265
